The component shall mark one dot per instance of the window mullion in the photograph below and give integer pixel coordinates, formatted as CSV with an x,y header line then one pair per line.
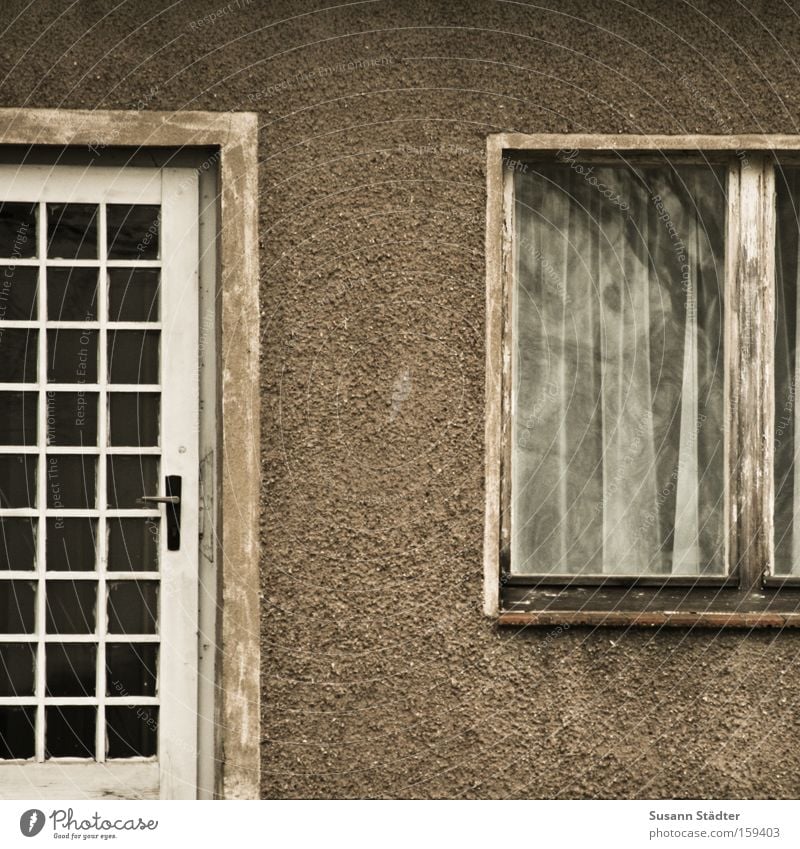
x,y
751,312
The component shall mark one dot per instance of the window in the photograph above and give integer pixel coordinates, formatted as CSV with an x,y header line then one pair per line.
x,y
113,326
641,360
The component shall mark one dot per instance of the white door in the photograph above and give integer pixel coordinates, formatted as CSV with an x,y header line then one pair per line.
x,y
98,409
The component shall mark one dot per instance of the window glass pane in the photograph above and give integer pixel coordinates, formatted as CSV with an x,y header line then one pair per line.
x,y
132,607
18,480
18,417
17,669
17,607
72,294
131,669
71,669
18,285
787,424
71,418
132,731
70,732
133,356
71,231
133,231
18,355
71,607
133,418
71,544
17,732
129,478
18,230
133,545
72,356
17,542
617,443
71,481
133,294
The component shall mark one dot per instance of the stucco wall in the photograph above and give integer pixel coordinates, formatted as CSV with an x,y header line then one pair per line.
x,y
380,675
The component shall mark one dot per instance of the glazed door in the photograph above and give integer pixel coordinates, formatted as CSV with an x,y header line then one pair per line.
x,y
98,482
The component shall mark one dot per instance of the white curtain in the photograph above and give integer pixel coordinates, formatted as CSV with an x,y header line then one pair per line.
x,y
617,452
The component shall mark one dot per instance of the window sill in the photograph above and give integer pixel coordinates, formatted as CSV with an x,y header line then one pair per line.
x,y
675,619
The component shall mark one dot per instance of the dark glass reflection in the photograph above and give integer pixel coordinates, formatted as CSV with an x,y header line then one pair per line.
x,y
17,669
18,480
17,733
132,731
18,355
133,294
71,418
133,356
71,669
71,607
71,481
17,542
131,669
71,544
132,607
133,545
72,356
129,477
18,417
17,607
70,732
133,231
133,418
18,230
71,231
18,287
72,294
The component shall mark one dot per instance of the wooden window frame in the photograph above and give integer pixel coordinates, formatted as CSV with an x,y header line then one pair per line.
x,y
229,372
750,595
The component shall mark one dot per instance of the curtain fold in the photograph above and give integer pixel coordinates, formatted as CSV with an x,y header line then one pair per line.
x,y
617,464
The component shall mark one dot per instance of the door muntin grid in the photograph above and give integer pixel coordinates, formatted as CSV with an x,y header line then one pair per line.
x,y
79,558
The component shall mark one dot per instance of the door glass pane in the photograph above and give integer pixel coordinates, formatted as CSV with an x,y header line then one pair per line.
x,y
71,294
18,480
133,231
70,732
17,732
71,481
133,356
18,230
133,294
71,544
19,417
133,418
72,356
71,607
133,545
17,542
132,607
131,669
132,731
71,669
72,418
17,669
18,355
71,231
17,607
18,285
129,478
617,462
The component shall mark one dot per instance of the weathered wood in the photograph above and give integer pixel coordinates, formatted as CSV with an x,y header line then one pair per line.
x,y
589,141
58,780
494,370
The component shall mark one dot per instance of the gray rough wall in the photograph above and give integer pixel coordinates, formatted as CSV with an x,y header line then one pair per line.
x,y
380,676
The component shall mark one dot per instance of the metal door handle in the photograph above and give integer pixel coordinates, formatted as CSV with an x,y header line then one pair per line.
x,y
172,488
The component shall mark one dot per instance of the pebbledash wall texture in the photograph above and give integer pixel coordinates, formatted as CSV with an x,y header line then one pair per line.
x,y
381,676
